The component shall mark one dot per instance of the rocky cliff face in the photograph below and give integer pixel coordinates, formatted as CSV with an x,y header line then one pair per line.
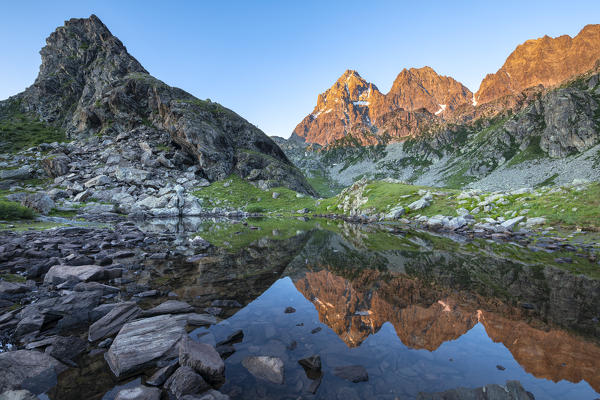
x,y
355,107
90,85
545,61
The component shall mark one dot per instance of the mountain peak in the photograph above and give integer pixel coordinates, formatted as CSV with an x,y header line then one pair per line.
x,y
417,88
544,61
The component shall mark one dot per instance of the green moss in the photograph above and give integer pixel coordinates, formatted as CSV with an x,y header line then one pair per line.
x,y
12,278
235,192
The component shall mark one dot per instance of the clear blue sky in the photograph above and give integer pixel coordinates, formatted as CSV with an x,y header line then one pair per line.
x,y
268,60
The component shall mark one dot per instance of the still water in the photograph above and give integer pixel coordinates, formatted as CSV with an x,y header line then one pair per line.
x,y
421,313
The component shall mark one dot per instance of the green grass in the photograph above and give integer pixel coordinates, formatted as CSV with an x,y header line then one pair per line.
x,y
12,278
10,211
324,186
24,225
235,192
532,152
20,131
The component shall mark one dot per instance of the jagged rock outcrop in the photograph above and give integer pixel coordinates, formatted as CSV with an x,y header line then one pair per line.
x,y
545,61
353,106
89,84
417,88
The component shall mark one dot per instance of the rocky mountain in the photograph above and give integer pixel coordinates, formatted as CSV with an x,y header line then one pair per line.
x,y
89,85
543,62
536,121
354,105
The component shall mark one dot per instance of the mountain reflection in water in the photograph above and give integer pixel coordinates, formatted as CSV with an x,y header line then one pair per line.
x,y
419,317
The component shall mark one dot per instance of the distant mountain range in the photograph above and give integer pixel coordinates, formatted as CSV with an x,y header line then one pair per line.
x,y
536,121
421,98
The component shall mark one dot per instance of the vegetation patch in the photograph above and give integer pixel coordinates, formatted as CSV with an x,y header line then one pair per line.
x,y
20,131
237,193
10,211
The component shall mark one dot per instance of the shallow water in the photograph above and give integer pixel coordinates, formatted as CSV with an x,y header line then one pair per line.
x,y
421,313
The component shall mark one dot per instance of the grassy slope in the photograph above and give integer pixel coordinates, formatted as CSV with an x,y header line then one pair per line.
x,y
565,207
20,131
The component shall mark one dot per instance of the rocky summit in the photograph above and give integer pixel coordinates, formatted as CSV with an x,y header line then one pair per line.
x,y
91,87
354,105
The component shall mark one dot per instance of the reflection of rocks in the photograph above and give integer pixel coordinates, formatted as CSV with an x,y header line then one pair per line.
x,y
552,354
357,309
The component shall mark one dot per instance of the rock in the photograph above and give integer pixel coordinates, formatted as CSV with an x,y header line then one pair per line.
x,y
208,395
169,307
201,319
185,381
28,369
235,337
535,221
140,392
289,310
66,349
97,181
140,344
131,175
509,224
60,273
18,395
420,204
39,202
275,195
312,363
199,243
112,322
22,173
203,358
396,212
265,367
83,196
147,293
352,373
56,165
511,391
160,376
302,211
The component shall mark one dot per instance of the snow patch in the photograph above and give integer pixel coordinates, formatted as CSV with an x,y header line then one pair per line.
x,y
441,110
360,103
474,101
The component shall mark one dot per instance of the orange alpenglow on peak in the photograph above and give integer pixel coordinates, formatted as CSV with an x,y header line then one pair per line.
x,y
545,61
353,102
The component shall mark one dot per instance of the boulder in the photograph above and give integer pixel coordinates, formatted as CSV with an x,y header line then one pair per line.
x,y
396,212
66,348
22,173
97,181
169,307
113,321
56,165
60,273
141,343
208,395
510,224
203,358
140,392
185,381
18,395
39,202
131,175
420,204
201,319
264,367
28,369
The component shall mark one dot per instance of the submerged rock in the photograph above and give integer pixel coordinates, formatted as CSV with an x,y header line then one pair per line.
x,y
511,391
265,367
352,373
140,392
